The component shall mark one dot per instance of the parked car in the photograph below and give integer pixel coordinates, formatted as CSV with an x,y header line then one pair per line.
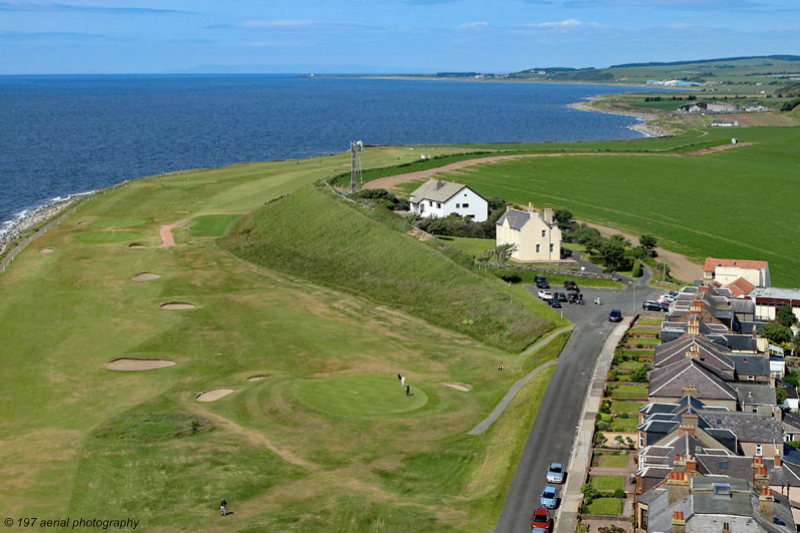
x,y
539,530
571,286
666,298
541,282
555,474
615,315
549,498
652,305
545,294
541,520
673,293
562,297
553,302
566,252
575,298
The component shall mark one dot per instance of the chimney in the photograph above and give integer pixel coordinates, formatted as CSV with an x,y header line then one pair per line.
x,y
694,352
677,487
691,465
438,183
778,460
530,207
549,216
755,332
698,305
762,479
693,327
688,422
679,465
690,391
678,523
766,504
703,289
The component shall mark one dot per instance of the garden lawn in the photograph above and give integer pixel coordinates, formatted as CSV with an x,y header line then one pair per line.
x,y
646,321
606,483
629,392
626,407
605,506
624,424
607,460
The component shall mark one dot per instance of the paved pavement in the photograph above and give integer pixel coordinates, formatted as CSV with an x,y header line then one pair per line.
x,y
555,430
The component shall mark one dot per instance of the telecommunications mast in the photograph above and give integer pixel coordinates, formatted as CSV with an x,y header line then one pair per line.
x,y
356,180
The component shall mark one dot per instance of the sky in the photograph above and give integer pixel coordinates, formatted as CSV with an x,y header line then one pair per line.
x,y
382,36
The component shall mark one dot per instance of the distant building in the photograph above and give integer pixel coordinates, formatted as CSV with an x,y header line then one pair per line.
x,y
534,232
727,271
439,199
769,299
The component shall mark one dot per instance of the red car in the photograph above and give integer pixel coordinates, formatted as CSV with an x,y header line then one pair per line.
x,y
541,519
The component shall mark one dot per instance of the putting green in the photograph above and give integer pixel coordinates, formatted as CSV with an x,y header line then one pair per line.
x,y
360,395
105,236
119,223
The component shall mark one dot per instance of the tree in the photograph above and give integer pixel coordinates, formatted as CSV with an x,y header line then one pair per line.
x,y
780,395
503,252
613,255
796,344
564,219
786,316
777,333
648,242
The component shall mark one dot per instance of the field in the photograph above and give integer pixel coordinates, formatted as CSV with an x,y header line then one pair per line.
x,y
317,433
708,205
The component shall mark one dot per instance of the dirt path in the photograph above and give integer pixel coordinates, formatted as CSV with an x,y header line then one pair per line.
x,y
682,268
391,182
166,234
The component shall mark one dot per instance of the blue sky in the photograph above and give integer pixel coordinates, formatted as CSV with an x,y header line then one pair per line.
x,y
382,36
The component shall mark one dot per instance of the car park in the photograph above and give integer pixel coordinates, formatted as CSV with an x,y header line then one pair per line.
x,y
541,282
549,498
666,298
571,286
575,298
541,519
555,473
566,252
615,315
553,302
562,297
545,294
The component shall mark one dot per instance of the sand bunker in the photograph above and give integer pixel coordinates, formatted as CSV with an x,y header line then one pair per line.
x,y
136,245
212,395
130,363
46,251
177,305
256,378
145,276
458,386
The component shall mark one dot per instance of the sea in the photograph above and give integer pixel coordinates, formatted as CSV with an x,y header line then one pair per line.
x,y
65,135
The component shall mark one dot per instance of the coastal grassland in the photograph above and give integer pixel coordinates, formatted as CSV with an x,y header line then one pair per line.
x,y
737,203
79,440
212,225
369,253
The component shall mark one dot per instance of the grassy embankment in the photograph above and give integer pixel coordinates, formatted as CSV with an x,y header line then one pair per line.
x,y
79,440
736,203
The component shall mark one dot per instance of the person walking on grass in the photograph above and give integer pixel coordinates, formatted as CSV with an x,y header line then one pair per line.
x,y
223,507
399,377
408,390
500,366
402,381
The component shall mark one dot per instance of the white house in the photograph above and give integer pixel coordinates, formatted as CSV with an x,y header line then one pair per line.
x,y
726,271
439,199
534,231
769,299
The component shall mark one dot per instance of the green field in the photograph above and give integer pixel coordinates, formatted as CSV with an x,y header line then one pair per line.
x,y
325,439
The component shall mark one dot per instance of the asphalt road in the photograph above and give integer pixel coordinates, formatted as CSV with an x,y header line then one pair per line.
x,y
554,430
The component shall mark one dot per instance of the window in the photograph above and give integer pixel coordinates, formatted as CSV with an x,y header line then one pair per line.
x,y
544,233
758,449
458,206
722,465
643,523
726,526
538,246
438,204
551,246
465,205
641,440
751,378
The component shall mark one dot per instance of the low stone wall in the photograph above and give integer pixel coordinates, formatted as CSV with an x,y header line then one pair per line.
x,y
555,271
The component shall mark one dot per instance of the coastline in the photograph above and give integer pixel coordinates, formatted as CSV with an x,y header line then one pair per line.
x,y
646,126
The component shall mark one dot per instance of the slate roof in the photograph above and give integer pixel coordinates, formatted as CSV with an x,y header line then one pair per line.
x,y
669,381
704,501
750,393
711,263
743,306
516,218
675,351
748,427
437,190
791,420
742,467
750,364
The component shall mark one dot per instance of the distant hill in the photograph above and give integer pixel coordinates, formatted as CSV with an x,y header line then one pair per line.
x,y
762,70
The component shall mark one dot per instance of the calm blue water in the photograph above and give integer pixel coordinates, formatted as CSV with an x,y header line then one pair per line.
x,y
68,134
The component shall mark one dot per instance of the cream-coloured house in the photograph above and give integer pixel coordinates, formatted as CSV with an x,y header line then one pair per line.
x,y
727,271
534,231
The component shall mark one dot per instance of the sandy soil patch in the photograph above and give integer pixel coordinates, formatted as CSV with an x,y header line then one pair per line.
x,y
172,306
136,245
145,276
83,222
682,268
256,378
132,364
213,395
46,251
166,234
458,386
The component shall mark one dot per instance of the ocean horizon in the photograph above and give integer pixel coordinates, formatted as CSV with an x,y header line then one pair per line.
x,y
70,134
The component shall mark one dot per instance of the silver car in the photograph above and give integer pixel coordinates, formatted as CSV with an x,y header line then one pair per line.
x,y
555,474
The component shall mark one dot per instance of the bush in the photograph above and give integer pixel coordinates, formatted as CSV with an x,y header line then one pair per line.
x,y
602,425
589,493
619,493
637,269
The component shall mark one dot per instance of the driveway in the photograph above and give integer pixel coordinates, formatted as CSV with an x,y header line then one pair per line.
x,y
554,430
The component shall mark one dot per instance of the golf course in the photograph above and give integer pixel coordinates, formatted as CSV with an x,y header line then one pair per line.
x,y
237,333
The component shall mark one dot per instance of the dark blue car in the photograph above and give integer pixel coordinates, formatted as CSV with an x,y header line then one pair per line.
x,y
615,315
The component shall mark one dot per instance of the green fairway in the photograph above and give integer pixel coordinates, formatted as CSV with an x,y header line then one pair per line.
x,y
105,236
212,225
118,223
361,395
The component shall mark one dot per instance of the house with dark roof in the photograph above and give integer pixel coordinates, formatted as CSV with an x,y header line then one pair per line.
x,y
534,232
694,346
691,376
751,367
440,199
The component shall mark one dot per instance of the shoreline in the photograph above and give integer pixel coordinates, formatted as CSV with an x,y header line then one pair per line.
x,y
645,126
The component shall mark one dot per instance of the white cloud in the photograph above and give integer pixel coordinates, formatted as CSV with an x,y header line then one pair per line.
x,y
473,26
569,23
